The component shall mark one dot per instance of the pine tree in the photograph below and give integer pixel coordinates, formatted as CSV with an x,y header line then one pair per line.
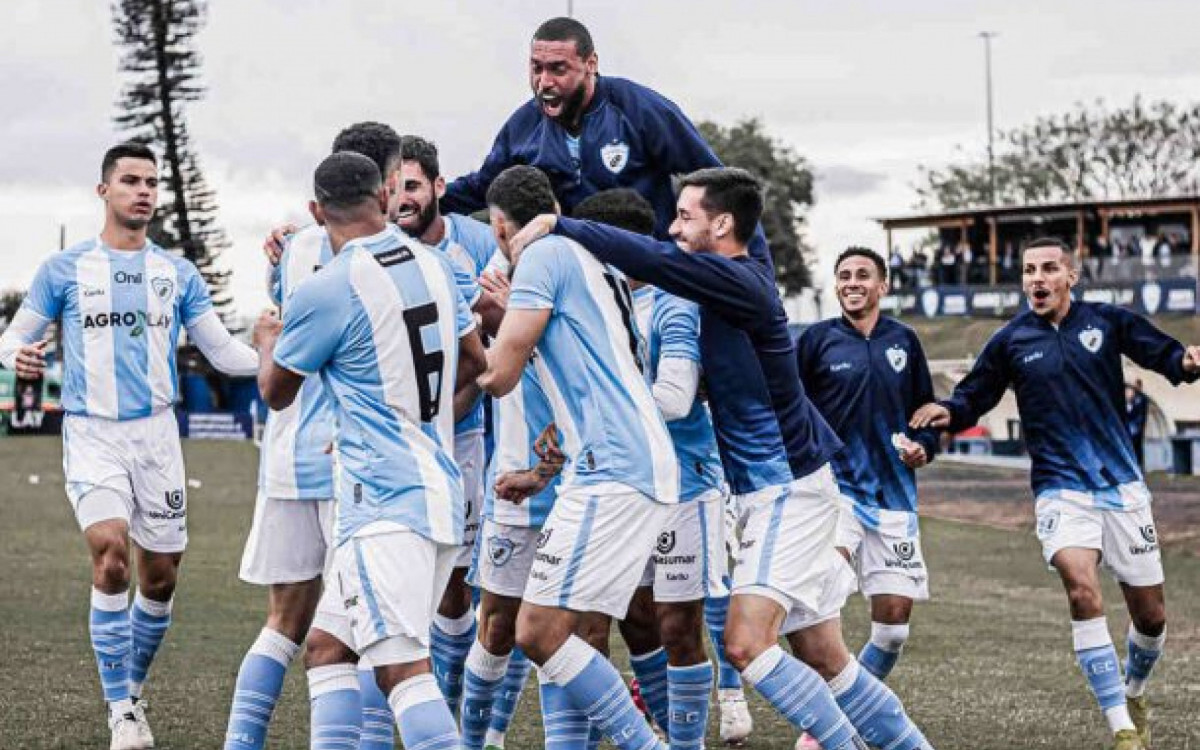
x,y
162,69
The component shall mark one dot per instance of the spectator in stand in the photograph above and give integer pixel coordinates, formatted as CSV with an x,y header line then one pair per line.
x,y
1162,250
896,264
919,266
965,256
1008,263
947,265
1100,251
1137,411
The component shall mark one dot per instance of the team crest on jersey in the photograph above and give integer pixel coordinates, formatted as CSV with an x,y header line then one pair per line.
x,y
897,357
163,287
500,550
615,156
666,542
1047,524
1092,339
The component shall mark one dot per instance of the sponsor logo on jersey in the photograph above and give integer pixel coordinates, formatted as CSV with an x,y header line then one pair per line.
x,y
1092,339
840,366
666,542
904,550
897,357
615,156
137,321
121,277
1034,357
91,291
544,537
1149,534
174,499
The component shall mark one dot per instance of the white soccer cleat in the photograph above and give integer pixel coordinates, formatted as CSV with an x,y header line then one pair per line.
x,y
806,742
145,736
124,733
736,724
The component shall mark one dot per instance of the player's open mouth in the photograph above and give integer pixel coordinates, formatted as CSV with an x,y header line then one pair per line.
x,y
550,101
1041,295
854,296
406,212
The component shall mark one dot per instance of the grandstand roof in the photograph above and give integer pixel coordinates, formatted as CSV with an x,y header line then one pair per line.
x,y
970,216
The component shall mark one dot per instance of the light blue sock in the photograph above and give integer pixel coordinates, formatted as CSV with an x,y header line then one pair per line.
x,y
592,684
802,697
259,683
422,714
377,723
504,705
150,620
689,691
566,727
875,711
716,609
335,707
112,640
1143,652
1097,658
484,672
651,672
450,641
882,651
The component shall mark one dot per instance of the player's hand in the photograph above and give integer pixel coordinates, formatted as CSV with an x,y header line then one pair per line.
x,y
911,452
516,486
930,415
497,285
277,240
1191,359
536,229
31,360
266,329
547,448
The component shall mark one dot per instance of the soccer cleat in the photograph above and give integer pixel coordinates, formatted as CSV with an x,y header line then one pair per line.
x,y
1127,739
736,724
143,727
806,742
125,733
1139,711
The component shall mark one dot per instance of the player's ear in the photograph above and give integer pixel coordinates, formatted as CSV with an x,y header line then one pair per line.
x,y
439,187
102,190
592,63
722,225
318,215
382,196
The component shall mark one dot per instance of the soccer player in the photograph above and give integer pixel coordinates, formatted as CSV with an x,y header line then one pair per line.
x,y
292,529
470,245
384,324
775,448
121,301
622,479
1063,360
866,373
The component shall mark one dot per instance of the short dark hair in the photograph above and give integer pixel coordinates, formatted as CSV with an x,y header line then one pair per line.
x,y
624,208
733,191
374,140
128,150
423,152
522,192
1047,242
563,29
345,180
863,252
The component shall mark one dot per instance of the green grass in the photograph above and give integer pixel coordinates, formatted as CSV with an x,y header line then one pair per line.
x,y
989,664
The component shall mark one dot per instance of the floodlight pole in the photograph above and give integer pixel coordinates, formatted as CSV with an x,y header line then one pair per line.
x,y
987,37
570,8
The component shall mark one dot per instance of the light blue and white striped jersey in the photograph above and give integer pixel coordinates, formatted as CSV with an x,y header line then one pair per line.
x,y
471,245
381,325
591,369
121,313
672,329
294,463
518,421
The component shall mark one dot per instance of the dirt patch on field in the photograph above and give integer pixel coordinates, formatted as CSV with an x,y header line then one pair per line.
x,y
1002,498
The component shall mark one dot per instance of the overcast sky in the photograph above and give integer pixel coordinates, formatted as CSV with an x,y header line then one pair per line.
x,y
867,91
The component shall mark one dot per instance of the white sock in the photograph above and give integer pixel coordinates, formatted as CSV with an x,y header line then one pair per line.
x,y
457,626
1118,718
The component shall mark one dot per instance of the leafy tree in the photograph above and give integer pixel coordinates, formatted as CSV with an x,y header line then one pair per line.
x,y
1091,152
10,300
789,193
162,69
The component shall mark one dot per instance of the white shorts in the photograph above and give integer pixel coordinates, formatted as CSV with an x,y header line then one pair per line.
x,y
503,559
382,591
593,548
141,462
289,542
689,561
787,550
1126,539
470,454
885,552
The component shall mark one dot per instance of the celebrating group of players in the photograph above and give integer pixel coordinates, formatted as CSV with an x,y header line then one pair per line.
x,y
649,411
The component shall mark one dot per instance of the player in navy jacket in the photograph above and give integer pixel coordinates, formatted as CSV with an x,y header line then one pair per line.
x,y
775,448
866,373
1063,360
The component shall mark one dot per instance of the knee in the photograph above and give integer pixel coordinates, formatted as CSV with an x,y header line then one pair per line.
x,y
1151,621
497,632
681,636
542,631
1085,601
742,647
323,649
110,566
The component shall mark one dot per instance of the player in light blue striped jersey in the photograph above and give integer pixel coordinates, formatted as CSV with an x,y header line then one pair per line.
x,y
622,479
121,301
384,325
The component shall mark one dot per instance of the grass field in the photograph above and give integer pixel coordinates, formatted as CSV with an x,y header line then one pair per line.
x,y
989,664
